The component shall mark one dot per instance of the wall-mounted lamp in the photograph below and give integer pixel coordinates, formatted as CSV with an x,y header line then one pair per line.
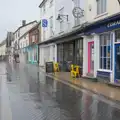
x,y
62,16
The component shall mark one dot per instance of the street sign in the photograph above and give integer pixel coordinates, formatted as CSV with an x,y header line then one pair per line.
x,y
44,23
78,12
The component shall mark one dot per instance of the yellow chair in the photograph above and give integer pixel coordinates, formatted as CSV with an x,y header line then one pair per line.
x,y
56,67
75,71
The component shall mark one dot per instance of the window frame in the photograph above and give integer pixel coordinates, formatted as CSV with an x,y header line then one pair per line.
x,y
51,25
101,6
105,51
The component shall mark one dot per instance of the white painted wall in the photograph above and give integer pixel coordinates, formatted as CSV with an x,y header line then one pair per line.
x,y
67,25
47,53
24,41
86,40
22,31
54,11
3,49
91,16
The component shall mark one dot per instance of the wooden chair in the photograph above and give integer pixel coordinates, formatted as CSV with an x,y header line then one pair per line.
x,y
56,67
75,71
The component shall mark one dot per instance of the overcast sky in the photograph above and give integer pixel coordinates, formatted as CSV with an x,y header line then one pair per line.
x,y
12,12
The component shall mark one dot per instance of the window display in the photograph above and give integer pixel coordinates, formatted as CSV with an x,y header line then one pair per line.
x,y
105,51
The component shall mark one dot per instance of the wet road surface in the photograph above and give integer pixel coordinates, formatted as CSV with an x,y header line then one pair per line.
x,y
33,95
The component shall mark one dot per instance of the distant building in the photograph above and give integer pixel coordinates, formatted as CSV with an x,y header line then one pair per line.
x,y
24,44
18,35
3,49
9,40
20,32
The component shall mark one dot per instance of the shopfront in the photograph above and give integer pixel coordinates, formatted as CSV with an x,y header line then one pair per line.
x,y
102,50
70,53
33,54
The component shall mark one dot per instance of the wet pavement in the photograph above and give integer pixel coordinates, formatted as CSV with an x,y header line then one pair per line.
x,y
32,95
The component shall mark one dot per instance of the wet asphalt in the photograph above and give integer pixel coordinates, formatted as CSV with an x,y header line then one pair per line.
x,y
33,95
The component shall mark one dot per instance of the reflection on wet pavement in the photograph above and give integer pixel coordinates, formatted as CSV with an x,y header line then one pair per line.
x,y
35,96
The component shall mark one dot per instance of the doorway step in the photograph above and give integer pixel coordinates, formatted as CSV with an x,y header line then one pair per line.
x,y
114,84
91,77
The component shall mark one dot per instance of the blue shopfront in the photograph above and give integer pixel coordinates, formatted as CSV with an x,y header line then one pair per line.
x,y
108,32
33,54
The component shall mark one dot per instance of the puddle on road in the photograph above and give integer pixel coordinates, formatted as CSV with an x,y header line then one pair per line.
x,y
62,102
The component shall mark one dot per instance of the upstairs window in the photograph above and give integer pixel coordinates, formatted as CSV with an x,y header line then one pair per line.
x,y
101,6
51,25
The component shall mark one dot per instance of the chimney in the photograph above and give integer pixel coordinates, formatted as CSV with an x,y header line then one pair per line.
x,y
23,22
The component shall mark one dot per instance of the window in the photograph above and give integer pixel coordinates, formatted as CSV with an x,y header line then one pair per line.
x,y
51,25
61,12
101,6
105,51
79,52
25,37
33,38
51,3
117,36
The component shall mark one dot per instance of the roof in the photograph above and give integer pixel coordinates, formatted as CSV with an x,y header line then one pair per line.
x,y
25,25
42,2
30,30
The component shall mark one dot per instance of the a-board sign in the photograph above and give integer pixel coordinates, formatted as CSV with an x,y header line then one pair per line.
x,y
49,67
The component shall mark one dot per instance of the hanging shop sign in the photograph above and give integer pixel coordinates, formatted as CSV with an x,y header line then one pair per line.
x,y
78,12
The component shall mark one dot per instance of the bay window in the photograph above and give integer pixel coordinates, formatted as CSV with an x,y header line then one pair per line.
x,y
105,51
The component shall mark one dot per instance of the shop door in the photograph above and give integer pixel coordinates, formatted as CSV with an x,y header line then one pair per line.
x,y
91,57
117,63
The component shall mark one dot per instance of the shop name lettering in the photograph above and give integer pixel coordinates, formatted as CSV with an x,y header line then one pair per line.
x,y
113,24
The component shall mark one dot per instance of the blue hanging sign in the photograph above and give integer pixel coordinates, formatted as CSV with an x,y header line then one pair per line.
x,y
44,23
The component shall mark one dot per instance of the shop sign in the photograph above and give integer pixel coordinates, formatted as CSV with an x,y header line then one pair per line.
x,y
44,23
112,24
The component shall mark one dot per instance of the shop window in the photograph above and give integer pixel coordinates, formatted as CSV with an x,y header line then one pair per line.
x,y
101,6
117,36
79,52
105,51
60,53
